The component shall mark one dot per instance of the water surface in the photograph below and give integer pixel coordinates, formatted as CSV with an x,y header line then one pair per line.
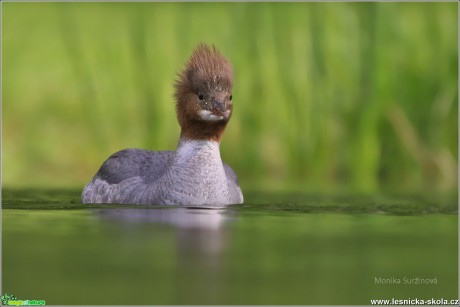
x,y
275,249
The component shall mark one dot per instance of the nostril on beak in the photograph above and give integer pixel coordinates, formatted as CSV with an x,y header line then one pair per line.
x,y
219,106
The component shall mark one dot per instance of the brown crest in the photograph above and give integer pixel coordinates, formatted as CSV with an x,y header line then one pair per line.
x,y
209,72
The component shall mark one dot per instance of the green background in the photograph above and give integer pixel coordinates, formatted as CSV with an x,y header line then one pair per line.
x,y
327,96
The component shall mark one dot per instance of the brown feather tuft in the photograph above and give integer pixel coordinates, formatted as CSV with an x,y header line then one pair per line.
x,y
206,70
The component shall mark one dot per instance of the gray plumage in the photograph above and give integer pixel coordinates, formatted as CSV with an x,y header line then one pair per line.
x,y
192,175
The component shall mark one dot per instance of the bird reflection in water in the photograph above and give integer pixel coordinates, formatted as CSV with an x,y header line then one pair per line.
x,y
202,237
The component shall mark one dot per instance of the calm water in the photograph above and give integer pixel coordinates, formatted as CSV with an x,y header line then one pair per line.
x,y
276,249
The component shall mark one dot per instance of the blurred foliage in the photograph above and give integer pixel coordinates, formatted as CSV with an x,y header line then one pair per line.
x,y
328,96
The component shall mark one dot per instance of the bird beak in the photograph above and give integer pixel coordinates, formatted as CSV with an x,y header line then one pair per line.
x,y
219,108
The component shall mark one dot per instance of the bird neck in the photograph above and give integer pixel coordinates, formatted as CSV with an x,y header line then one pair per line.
x,y
202,130
198,152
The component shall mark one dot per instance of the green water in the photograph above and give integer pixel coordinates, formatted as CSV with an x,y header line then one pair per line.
x,y
275,249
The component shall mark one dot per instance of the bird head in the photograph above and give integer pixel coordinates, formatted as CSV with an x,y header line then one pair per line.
x,y
204,94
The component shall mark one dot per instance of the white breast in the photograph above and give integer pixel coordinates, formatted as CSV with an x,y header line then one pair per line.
x,y
196,176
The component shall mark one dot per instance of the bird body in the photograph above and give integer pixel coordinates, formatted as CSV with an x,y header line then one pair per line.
x,y
194,174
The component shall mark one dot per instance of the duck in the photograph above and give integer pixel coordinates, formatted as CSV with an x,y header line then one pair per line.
x,y
194,174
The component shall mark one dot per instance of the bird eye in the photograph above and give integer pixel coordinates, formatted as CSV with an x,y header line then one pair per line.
x,y
231,96
200,97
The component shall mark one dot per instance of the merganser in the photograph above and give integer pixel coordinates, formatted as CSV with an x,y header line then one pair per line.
x,y
194,174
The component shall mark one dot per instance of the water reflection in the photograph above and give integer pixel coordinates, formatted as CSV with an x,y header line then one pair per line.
x,y
184,218
201,236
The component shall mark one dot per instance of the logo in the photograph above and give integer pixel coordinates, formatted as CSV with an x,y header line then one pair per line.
x,y
6,297
11,300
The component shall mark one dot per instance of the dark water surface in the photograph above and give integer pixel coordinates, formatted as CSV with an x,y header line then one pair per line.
x,y
275,249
